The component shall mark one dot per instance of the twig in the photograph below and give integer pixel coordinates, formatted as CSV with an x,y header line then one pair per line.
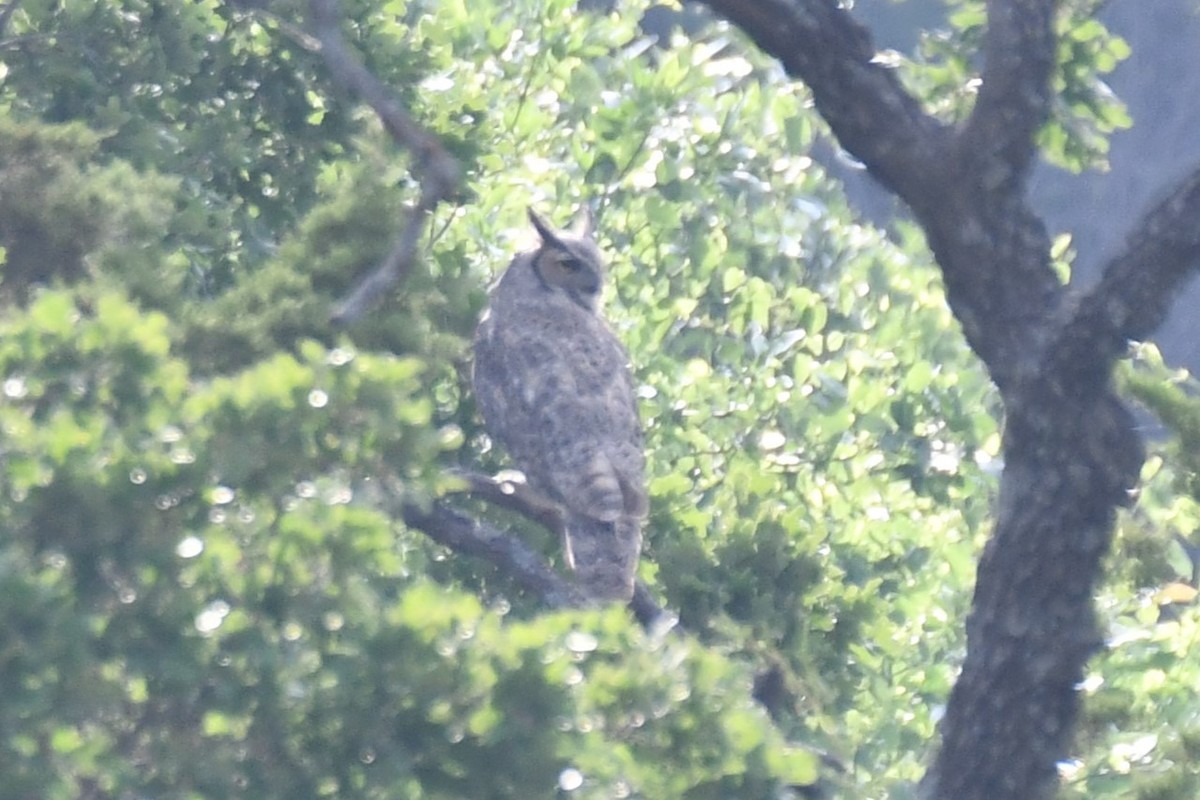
x,y
436,170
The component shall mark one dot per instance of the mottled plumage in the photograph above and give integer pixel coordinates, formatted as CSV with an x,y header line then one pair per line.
x,y
554,387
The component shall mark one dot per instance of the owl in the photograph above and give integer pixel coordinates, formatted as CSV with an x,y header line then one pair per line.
x,y
554,387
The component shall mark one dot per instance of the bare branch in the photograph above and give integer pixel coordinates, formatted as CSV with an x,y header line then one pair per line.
x,y
511,555
355,77
1133,297
1014,99
516,496
870,112
436,169
526,501
368,291
993,252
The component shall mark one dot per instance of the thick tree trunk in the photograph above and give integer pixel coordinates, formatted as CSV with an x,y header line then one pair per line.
x,y
1012,712
1071,454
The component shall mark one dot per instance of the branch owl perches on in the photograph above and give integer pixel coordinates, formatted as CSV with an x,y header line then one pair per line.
x,y
554,386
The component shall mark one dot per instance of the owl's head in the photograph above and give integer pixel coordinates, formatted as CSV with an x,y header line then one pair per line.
x,y
570,260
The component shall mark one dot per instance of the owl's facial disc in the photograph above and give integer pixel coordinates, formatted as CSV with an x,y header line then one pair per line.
x,y
569,261
575,272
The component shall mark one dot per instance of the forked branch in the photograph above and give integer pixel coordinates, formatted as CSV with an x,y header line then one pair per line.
x,y
436,170
1070,447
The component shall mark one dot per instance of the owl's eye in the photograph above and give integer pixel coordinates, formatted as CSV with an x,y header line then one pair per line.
x,y
571,264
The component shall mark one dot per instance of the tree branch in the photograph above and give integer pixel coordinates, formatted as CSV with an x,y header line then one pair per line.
x,y
1134,296
870,112
389,274
508,553
993,251
1014,98
965,201
518,496
436,170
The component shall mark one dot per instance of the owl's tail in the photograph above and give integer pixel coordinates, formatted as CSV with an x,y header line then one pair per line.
x,y
605,555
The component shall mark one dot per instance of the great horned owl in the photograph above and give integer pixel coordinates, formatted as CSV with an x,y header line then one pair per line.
x,y
554,387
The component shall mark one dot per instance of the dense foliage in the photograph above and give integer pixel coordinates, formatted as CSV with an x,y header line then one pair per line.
x,y
206,589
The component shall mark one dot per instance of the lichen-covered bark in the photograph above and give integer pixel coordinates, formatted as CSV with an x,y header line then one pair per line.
x,y
1071,453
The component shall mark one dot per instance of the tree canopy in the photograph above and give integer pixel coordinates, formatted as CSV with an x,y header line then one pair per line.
x,y
237,558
